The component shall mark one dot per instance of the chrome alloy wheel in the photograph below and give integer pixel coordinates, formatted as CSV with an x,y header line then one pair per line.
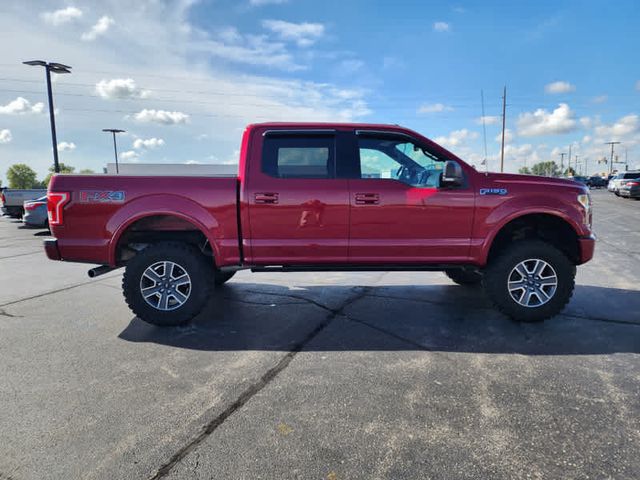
x,y
165,286
532,283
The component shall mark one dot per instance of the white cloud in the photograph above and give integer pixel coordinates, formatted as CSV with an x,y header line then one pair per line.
x,y
129,155
559,87
66,146
351,66
600,99
120,88
541,122
434,108
456,138
254,50
627,125
100,28
62,16
149,143
488,120
260,3
441,27
21,106
5,135
508,136
304,34
162,117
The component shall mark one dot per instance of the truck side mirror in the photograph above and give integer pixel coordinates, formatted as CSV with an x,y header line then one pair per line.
x,y
452,174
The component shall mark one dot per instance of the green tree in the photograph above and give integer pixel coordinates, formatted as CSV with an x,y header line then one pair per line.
x,y
547,169
524,170
63,169
86,171
21,176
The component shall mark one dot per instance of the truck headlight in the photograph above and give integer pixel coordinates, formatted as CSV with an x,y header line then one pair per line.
x,y
584,199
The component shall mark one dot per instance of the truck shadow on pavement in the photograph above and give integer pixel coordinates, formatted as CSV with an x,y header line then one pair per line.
x,y
245,316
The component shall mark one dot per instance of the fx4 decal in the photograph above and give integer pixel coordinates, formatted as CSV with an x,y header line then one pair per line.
x,y
493,191
100,196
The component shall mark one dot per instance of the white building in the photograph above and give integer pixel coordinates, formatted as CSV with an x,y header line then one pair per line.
x,y
177,169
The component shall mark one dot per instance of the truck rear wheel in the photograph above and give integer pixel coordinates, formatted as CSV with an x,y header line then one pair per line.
x,y
464,277
167,284
530,281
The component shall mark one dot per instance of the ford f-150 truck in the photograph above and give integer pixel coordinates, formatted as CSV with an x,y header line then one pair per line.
x,y
326,197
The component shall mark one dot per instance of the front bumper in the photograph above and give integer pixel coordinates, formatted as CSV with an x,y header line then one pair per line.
x,y
587,247
51,249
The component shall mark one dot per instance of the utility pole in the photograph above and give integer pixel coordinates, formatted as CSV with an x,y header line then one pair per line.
x,y
113,131
562,162
626,160
611,159
569,158
504,122
484,130
576,170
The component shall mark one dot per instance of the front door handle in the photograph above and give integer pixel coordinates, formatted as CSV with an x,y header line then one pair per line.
x,y
266,198
367,198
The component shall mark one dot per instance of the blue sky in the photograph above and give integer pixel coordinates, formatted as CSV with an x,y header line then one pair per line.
x,y
184,77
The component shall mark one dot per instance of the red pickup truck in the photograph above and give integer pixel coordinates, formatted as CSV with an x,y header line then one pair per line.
x,y
325,197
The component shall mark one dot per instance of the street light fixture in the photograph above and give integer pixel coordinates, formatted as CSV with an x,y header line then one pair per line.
x,y
55,68
113,131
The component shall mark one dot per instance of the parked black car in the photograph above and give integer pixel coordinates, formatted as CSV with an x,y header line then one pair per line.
x,y
596,182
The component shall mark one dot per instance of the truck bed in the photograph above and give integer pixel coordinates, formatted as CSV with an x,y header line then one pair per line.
x,y
103,207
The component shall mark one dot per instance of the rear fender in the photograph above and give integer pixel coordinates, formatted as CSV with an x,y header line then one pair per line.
x,y
162,204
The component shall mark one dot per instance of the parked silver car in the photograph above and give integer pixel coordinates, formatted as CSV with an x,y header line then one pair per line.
x,y
35,213
616,182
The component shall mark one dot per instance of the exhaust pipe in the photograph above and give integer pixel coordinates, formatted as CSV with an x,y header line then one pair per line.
x,y
101,270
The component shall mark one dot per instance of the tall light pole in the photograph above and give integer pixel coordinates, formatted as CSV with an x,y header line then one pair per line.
x,y
611,160
113,131
55,68
504,124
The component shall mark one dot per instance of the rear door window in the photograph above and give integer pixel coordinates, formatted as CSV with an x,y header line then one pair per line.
x,y
299,156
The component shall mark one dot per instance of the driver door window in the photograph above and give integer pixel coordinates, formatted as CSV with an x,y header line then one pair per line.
x,y
398,159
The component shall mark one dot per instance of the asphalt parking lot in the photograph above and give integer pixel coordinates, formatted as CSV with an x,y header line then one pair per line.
x,y
320,376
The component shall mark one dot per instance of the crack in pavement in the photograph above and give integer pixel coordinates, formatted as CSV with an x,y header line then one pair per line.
x,y
51,292
256,387
4,313
22,254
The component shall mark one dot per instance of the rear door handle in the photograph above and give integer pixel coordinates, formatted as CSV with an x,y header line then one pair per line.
x,y
367,198
266,198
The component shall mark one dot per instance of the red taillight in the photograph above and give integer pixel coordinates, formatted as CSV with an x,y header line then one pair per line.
x,y
33,205
632,184
2,198
55,203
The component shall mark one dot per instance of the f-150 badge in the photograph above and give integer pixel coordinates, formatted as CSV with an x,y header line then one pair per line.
x,y
493,191
101,196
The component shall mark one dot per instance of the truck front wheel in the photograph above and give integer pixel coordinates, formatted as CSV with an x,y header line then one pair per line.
x,y
530,281
167,284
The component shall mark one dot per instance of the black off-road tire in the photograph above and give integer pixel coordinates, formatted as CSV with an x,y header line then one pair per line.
x,y
197,266
220,278
497,273
464,277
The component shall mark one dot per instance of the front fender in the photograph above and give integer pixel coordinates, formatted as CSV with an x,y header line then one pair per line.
x,y
521,206
162,204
